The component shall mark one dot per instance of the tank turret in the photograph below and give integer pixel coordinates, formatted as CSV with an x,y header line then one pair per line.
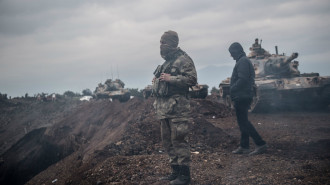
x,y
275,65
282,65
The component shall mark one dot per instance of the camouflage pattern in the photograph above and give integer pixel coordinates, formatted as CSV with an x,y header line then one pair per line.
x,y
198,91
171,97
173,134
172,104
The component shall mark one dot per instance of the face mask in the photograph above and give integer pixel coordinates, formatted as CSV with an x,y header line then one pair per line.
x,y
166,50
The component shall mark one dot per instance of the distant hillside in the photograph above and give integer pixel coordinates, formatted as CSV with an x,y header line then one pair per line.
x,y
213,75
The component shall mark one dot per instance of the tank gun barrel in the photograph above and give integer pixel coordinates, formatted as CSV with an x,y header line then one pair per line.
x,y
276,50
288,60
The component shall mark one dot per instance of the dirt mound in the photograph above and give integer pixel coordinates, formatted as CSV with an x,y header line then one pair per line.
x,y
21,116
101,129
103,142
27,157
209,109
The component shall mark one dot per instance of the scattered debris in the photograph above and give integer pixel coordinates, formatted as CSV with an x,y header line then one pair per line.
x,y
53,181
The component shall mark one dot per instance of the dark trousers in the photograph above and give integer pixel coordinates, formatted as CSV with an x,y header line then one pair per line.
x,y
245,126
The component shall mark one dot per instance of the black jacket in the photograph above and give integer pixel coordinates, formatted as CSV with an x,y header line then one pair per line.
x,y
242,78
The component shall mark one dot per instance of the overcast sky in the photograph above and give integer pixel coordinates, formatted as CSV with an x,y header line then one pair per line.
x,y
54,46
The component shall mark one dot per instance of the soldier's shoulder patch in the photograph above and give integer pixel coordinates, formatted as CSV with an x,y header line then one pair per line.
x,y
188,64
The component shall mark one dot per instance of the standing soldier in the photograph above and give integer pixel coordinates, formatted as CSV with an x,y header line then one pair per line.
x,y
171,86
241,92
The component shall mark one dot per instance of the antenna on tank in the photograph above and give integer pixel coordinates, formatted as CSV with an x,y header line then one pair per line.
x,y
117,72
111,73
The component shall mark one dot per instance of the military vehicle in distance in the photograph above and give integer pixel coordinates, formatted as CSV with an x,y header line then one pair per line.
x,y
198,91
279,84
147,91
112,89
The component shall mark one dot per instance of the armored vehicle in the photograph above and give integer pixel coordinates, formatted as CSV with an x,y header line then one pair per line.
x,y
112,89
279,84
197,91
147,91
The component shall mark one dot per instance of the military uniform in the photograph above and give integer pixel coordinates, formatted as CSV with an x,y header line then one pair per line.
x,y
172,104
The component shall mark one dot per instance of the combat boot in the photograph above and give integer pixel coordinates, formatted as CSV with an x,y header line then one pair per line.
x,y
173,175
183,177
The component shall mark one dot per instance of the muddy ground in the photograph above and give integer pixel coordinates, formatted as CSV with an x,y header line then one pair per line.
x,y
103,142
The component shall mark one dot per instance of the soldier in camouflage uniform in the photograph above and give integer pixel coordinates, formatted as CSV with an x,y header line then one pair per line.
x,y
171,86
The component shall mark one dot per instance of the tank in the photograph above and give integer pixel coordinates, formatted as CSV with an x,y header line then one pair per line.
x,y
280,85
112,89
147,91
198,91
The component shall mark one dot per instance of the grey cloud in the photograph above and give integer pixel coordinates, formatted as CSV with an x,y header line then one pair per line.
x,y
74,44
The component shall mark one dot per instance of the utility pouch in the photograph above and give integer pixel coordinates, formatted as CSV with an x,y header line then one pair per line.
x,y
159,88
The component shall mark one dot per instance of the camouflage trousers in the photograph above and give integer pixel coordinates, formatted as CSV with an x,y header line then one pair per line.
x,y
173,137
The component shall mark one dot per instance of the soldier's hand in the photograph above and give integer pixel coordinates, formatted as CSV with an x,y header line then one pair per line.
x,y
165,77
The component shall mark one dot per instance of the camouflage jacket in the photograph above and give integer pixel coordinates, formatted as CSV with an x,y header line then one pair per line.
x,y
171,97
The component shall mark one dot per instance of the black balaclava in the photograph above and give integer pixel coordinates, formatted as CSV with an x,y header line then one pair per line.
x,y
236,50
168,44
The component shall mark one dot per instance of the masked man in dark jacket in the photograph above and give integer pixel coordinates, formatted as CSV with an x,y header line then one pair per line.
x,y
171,86
242,92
